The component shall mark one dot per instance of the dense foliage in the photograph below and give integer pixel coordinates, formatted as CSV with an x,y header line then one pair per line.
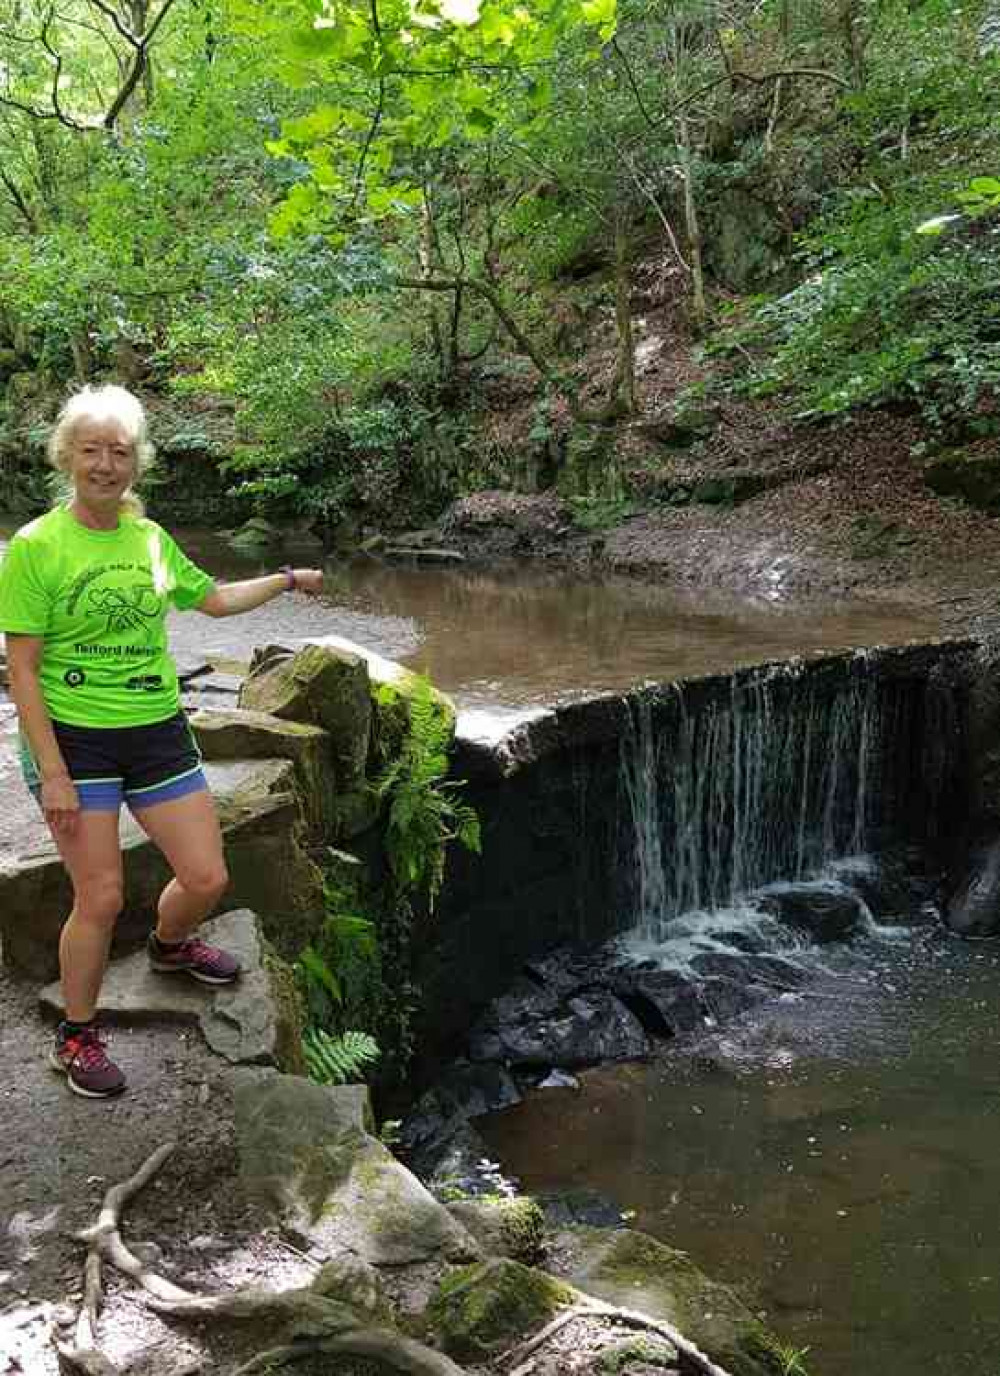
x,y
341,227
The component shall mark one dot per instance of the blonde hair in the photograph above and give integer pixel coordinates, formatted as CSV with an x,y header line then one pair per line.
x,y
102,404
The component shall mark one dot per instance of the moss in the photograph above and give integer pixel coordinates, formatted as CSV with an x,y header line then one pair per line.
x,y
631,1269
651,1351
503,1227
324,1170
291,1012
480,1309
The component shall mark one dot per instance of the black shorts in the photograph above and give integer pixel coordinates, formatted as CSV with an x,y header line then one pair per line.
x,y
140,765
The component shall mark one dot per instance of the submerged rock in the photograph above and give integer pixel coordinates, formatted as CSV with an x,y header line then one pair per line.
x,y
635,1271
974,910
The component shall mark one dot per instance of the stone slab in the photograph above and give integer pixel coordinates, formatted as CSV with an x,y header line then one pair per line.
x,y
239,1022
304,1151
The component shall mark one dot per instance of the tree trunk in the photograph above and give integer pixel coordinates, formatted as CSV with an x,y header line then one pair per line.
x,y
854,41
625,370
692,225
425,253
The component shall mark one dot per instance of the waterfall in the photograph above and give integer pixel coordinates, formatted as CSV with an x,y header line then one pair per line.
x,y
771,780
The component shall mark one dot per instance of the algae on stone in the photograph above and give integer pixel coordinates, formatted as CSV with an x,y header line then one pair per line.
x,y
503,1226
631,1269
480,1310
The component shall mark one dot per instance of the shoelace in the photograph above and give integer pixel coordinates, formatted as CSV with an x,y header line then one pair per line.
x,y
89,1052
196,950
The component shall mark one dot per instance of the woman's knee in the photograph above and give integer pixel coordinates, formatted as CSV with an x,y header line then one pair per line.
x,y
99,901
208,881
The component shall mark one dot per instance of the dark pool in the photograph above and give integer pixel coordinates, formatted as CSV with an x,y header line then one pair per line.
x,y
836,1156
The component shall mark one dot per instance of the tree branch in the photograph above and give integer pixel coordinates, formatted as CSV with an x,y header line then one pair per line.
x,y
369,139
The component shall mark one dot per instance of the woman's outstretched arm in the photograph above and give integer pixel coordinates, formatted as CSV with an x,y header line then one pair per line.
x,y
229,599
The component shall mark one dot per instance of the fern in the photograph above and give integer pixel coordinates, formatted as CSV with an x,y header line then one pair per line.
x,y
424,811
338,1060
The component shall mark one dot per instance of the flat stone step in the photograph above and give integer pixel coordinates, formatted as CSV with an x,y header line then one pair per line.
x,y
241,1022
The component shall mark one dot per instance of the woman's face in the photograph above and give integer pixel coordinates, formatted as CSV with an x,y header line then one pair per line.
x,y
101,462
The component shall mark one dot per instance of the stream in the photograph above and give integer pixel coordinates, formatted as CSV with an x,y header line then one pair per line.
x,y
832,1153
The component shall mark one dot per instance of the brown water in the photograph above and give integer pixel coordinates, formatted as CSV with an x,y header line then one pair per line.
x,y
523,636
836,1156
520,636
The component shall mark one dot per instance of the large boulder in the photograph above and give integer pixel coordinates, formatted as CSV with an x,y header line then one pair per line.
x,y
321,686
306,1151
256,1021
631,1269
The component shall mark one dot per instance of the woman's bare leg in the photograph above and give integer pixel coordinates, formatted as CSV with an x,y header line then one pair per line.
x,y
92,856
187,831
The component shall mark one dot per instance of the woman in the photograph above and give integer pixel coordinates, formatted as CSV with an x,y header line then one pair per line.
x,y
84,592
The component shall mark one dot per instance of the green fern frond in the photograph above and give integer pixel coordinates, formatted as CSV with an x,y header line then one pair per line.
x,y
338,1060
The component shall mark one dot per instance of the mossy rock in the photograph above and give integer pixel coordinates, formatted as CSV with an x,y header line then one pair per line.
x,y
482,1309
323,686
504,1227
649,1352
635,1271
291,1012
974,477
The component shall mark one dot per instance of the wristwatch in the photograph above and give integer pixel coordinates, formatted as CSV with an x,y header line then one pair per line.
x,y
289,573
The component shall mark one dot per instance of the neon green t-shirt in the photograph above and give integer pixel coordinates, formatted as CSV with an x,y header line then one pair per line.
x,y
99,598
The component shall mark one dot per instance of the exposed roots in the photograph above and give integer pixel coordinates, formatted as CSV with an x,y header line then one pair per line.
x,y
316,1323
587,1308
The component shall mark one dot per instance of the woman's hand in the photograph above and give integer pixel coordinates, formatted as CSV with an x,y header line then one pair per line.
x,y
308,580
61,804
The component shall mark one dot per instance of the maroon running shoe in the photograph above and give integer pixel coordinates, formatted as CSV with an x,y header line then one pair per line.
x,y
195,958
81,1057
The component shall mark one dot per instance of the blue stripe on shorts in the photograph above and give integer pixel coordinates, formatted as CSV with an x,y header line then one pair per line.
x,y
193,781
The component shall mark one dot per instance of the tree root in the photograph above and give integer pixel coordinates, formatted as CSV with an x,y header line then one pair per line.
x,y
103,1240
588,1308
318,1323
403,1354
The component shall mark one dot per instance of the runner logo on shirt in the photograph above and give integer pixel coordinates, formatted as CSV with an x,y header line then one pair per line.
x,y
127,609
